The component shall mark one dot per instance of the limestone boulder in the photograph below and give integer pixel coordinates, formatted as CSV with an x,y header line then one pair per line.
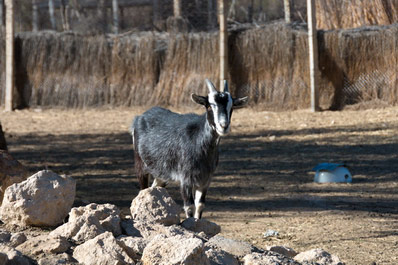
x,y
89,221
17,239
155,205
220,257
174,250
12,239
134,246
201,225
9,255
44,199
268,258
234,247
318,256
283,250
44,244
150,230
103,249
59,259
11,171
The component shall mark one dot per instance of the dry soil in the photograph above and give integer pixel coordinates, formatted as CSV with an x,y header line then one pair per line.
x,y
264,179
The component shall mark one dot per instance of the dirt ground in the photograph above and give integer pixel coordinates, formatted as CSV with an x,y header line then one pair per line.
x,y
264,179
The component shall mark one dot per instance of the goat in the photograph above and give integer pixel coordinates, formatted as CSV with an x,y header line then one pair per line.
x,y
183,147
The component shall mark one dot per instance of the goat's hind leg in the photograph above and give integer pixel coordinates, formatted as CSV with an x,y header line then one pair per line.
x,y
143,177
187,197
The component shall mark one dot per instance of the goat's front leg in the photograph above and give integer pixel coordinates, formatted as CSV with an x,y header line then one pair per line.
x,y
187,197
200,197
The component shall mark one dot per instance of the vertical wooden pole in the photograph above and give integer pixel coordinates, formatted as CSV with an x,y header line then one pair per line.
x,y
1,13
177,8
9,54
64,9
313,54
35,16
287,10
223,43
51,11
102,15
210,14
155,10
115,12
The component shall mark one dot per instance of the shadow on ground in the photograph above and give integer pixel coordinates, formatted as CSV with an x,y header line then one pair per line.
x,y
255,173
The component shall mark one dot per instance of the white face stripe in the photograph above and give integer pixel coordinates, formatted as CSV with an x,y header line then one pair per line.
x,y
215,107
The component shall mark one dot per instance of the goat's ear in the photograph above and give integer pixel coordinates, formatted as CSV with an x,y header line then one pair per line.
x,y
240,102
200,100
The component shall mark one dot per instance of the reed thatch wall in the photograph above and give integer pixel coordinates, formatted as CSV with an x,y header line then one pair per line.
x,y
338,14
268,63
72,70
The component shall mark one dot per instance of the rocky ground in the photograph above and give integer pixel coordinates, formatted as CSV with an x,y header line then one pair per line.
x,y
264,180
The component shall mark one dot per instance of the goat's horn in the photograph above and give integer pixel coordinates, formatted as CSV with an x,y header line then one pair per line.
x,y
226,86
210,86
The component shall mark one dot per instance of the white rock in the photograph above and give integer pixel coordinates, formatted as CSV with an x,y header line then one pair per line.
x,y
103,249
201,225
44,244
234,247
174,250
89,221
44,199
268,258
17,239
220,257
318,256
60,259
13,256
283,250
150,230
155,205
134,246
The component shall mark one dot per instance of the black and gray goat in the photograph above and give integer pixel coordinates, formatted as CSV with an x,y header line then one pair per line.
x,y
183,147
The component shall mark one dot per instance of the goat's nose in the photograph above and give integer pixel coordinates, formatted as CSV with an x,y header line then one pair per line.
x,y
224,123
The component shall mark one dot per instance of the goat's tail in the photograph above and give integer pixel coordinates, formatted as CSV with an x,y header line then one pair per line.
x,y
143,178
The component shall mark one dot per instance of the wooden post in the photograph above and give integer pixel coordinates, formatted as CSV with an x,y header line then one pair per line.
x,y
115,12
1,13
177,8
9,55
210,14
64,9
313,54
155,10
287,10
51,11
35,16
223,43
